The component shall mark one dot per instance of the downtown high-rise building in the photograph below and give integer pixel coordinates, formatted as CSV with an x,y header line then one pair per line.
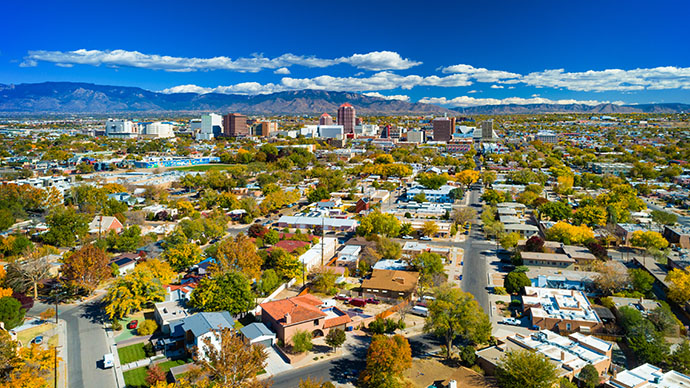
x,y
347,117
444,128
235,125
325,119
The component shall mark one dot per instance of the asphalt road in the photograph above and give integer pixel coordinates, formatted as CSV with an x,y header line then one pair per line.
x,y
685,221
86,344
475,270
346,369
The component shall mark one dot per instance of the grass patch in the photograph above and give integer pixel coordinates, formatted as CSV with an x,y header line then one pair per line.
x,y
205,167
131,353
166,365
136,378
25,336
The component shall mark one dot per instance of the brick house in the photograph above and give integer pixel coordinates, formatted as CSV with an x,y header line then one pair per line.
x,y
302,313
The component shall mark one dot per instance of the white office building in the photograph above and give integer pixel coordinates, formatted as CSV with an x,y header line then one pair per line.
x,y
331,131
159,130
123,129
416,136
367,129
211,126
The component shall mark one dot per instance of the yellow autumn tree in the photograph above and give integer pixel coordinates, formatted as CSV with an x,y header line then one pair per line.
x,y
467,177
679,290
160,270
569,234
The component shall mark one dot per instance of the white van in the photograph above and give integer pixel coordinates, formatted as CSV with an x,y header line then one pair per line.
x,y
420,310
107,360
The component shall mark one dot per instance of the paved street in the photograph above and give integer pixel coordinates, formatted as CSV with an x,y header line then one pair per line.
x,y
475,269
685,221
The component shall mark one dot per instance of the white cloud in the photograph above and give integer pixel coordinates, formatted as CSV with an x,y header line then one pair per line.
x,y
282,70
480,74
668,77
472,92
376,60
498,86
399,97
466,101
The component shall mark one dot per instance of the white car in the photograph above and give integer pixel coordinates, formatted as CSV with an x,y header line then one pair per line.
x,y
425,238
511,321
407,237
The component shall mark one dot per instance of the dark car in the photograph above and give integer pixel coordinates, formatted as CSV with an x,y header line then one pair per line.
x,y
359,302
373,301
342,297
133,324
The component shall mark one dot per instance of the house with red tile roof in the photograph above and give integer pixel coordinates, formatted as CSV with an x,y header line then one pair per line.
x,y
302,313
289,245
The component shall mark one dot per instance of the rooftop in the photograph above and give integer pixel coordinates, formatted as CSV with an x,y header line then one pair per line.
x,y
559,304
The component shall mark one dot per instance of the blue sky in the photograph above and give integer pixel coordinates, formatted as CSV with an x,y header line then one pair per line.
x,y
457,53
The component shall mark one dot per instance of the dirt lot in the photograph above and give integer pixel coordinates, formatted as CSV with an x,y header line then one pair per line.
x,y
423,373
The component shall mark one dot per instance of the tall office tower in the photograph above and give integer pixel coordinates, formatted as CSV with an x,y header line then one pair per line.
x,y
346,117
444,128
265,128
358,121
325,119
235,125
211,126
487,129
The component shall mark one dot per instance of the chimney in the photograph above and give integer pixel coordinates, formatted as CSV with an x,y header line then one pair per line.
x,y
288,319
562,355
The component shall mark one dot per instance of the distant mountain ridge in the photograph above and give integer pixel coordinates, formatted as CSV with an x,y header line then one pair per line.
x,y
75,97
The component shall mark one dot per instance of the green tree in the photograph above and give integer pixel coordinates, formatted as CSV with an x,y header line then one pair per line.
x,y
522,368
335,338
516,281
430,267
419,198
463,215
664,218
11,312
229,291
680,359
555,211
269,281
271,237
641,280
180,253
65,227
379,223
456,314
510,240
589,376
301,341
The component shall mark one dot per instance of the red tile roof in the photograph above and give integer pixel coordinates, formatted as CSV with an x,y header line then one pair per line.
x,y
337,321
301,308
289,245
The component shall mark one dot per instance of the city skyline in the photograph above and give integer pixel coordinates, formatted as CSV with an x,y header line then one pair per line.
x,y
456,55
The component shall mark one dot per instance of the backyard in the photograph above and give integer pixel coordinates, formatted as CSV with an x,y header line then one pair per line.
x,y
136,378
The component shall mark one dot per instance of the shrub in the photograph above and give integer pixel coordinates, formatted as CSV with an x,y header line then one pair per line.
x,y
516,281
116,325
468,355
500,291
147,327
534,244
301,342
149,350
607,302
154,374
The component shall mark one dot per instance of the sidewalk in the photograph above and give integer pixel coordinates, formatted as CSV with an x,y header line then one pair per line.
x,y
62,354
117,367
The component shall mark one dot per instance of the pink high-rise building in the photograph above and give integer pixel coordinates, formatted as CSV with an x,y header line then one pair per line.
x,y
347,117
325,119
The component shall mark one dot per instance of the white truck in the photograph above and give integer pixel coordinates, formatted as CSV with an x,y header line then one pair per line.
x,y
107,360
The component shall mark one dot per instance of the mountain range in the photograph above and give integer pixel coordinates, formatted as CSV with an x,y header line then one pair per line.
x,y
74,97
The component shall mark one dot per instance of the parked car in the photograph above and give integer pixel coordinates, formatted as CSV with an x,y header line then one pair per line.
x,y
425,238
359,302
419,310
107,360
459,277
373,301
511,321
133,324
37,340
407,237
342,297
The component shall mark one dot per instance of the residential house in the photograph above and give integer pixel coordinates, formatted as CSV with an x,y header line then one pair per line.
x,y
564,311
678,235
390,285
348,257
192,332
302,313
258,333
169,311
102,225
125,262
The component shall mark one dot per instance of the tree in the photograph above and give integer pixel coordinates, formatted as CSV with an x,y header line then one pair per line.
x,y
86,268
31,367
589,376
648,239
335,338
534,244
522,368
516,281
287,265
430,267
555,211
663,218
313,383
491,196
147,327
680,359
272,237
231,363
180,253
432,181
679,290
228,291
593,215
612,277
488,177
160,270
128,240
419,197
641,280
569,234
467,177
323,280
387,360
256,230
155,374
11,312
463,215
301,341
239,255
430,228
379,223
457,314
26,274
65,227
510,240
406,229
132,292
269,281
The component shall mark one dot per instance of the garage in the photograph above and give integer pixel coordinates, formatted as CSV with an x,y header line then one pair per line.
x,y
258,333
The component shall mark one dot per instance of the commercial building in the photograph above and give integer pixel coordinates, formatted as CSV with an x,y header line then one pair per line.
x,y
310,222
569,354
487,128
443,128
367,129
611,168
174,162
121,129
211,126
265,128
325,119
346,117
235,125
546,137
441,195
331,131
416,137
159,130
564,311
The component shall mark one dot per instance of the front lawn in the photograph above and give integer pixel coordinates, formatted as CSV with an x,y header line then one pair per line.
x,y
131,353
136,378
166,365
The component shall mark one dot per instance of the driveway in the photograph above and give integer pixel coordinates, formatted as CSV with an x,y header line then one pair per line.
x,y
275,363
